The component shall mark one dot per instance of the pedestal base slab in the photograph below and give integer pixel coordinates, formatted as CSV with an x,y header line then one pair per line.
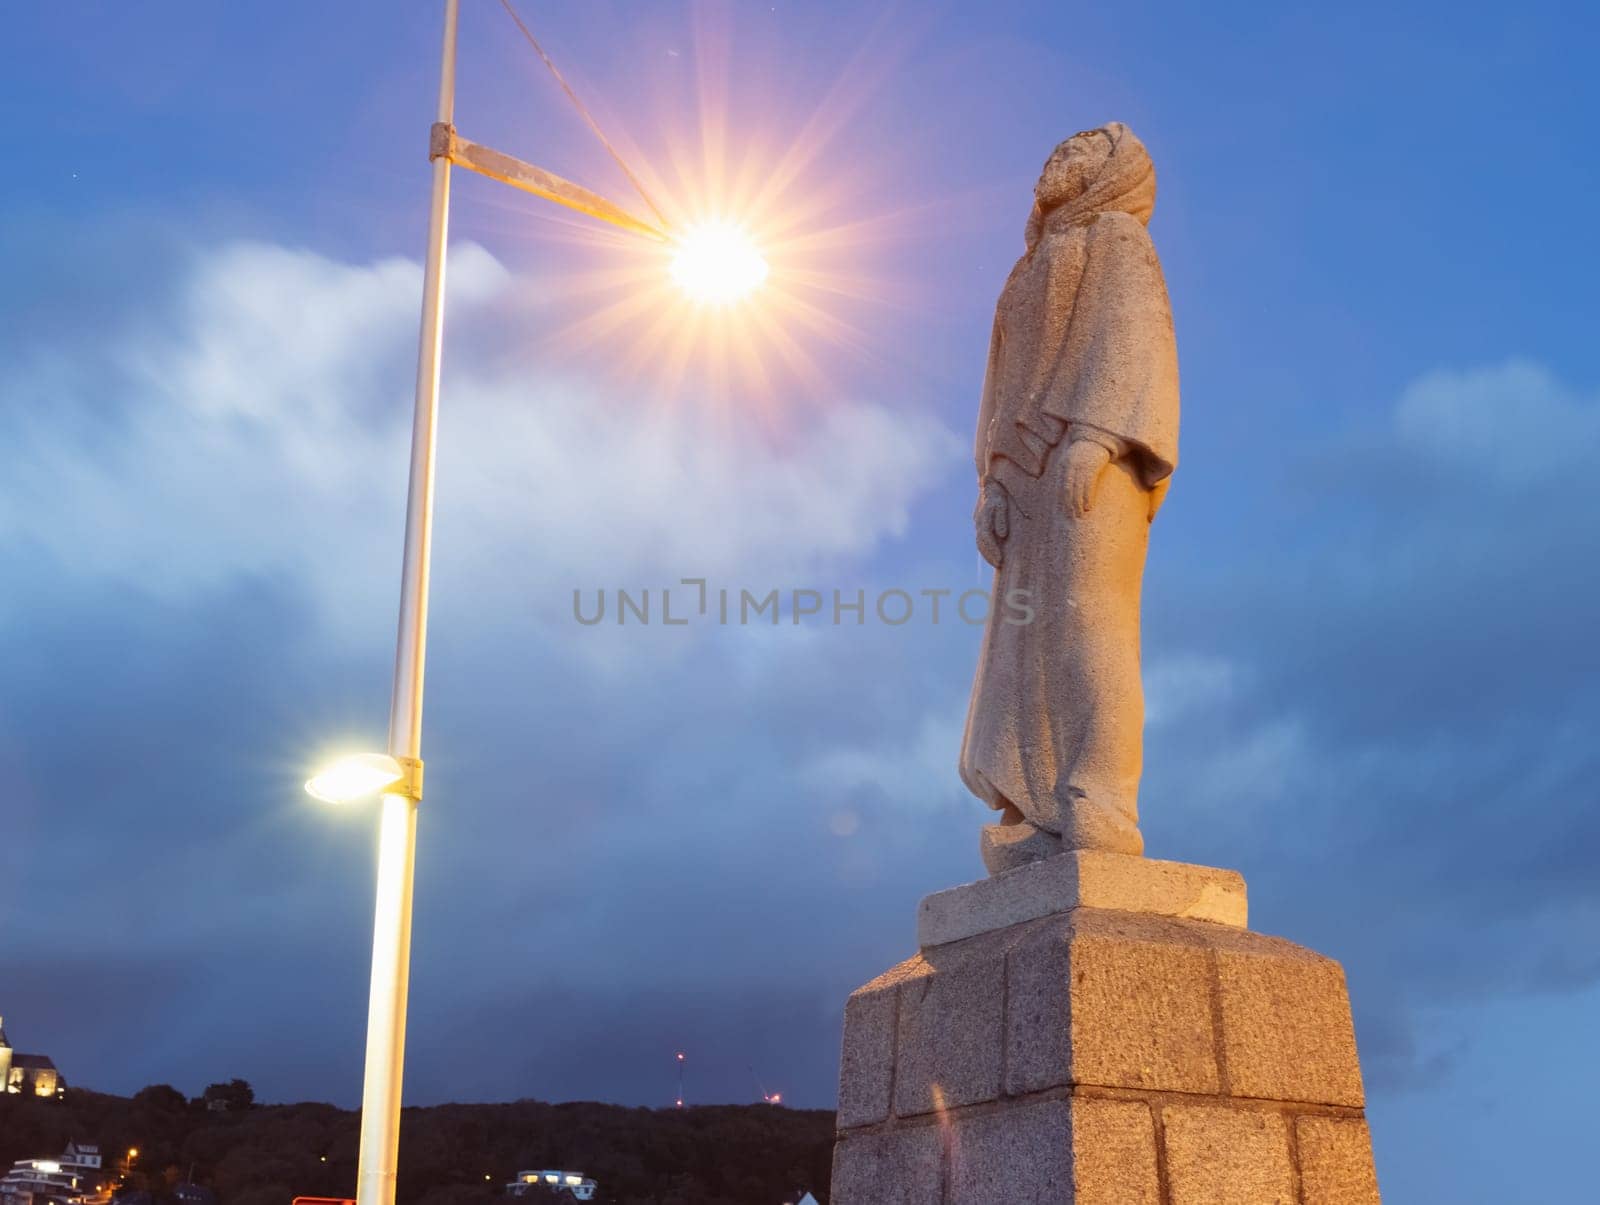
x,y
1082,878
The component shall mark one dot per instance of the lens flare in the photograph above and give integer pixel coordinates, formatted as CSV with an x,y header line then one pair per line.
x,y
793,226
717,263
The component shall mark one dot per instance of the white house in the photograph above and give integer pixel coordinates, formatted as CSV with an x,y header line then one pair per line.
x,y
72,1179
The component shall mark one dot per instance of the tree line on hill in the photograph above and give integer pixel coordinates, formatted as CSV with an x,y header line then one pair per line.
x,y
455,1154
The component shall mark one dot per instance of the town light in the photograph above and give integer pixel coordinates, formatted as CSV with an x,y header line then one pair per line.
x,y
717,263
361,775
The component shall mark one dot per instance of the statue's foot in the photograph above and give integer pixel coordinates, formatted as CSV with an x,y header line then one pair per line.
x,y
1007,846
1089,825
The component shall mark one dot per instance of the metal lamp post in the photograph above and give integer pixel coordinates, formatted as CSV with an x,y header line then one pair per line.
x,y
397,777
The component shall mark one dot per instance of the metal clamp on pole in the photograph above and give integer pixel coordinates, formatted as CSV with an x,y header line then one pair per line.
x,y
441,141
410,784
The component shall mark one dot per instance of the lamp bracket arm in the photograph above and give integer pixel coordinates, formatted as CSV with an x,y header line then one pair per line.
x,y
445,143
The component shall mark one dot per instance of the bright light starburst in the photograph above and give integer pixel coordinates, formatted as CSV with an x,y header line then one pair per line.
x,y
717,263
789,225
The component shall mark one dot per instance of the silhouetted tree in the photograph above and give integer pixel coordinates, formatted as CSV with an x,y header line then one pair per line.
x,y
268,1154
236,1095
161,1096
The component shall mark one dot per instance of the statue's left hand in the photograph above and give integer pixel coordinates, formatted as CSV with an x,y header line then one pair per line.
x,y
993,522
1086,461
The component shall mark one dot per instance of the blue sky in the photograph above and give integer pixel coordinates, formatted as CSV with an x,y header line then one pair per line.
x,y
1368,609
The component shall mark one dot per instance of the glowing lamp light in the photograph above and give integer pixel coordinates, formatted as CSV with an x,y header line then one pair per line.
x,y
356,777
717,264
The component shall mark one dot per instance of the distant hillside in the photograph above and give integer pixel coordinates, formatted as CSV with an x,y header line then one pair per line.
x,y
449,1154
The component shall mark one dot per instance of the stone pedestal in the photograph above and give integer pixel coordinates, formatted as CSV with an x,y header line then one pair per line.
x,y
1097,1029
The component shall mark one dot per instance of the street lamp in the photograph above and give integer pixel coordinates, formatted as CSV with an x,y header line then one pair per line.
x,y
715,264
362,775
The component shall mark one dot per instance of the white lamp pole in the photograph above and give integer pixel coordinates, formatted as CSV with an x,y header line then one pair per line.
x,y
397,838
397,775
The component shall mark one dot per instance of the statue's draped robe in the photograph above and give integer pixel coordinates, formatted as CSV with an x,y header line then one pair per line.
x,y
1082,349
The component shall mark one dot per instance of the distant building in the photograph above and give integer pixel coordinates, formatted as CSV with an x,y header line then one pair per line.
x,y
576,1183
73,1179
82,1156
35,1075
30,1074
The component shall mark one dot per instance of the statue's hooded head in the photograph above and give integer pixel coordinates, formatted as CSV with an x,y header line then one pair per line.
x,y
1094,171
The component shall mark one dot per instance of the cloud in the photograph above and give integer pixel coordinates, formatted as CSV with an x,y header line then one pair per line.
x,y
918,773
1178,686
1404,762
1383,713
259,422
1511,424
201,538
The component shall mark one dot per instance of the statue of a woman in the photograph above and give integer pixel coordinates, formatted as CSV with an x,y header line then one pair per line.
x,y
1077,437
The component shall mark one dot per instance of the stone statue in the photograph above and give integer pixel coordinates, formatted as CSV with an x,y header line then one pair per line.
x,y
1077,438
1002,1061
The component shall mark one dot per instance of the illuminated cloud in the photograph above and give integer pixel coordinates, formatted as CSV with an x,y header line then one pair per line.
x,y
260,424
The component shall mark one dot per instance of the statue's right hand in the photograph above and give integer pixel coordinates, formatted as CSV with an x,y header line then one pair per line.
x,y
993,522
